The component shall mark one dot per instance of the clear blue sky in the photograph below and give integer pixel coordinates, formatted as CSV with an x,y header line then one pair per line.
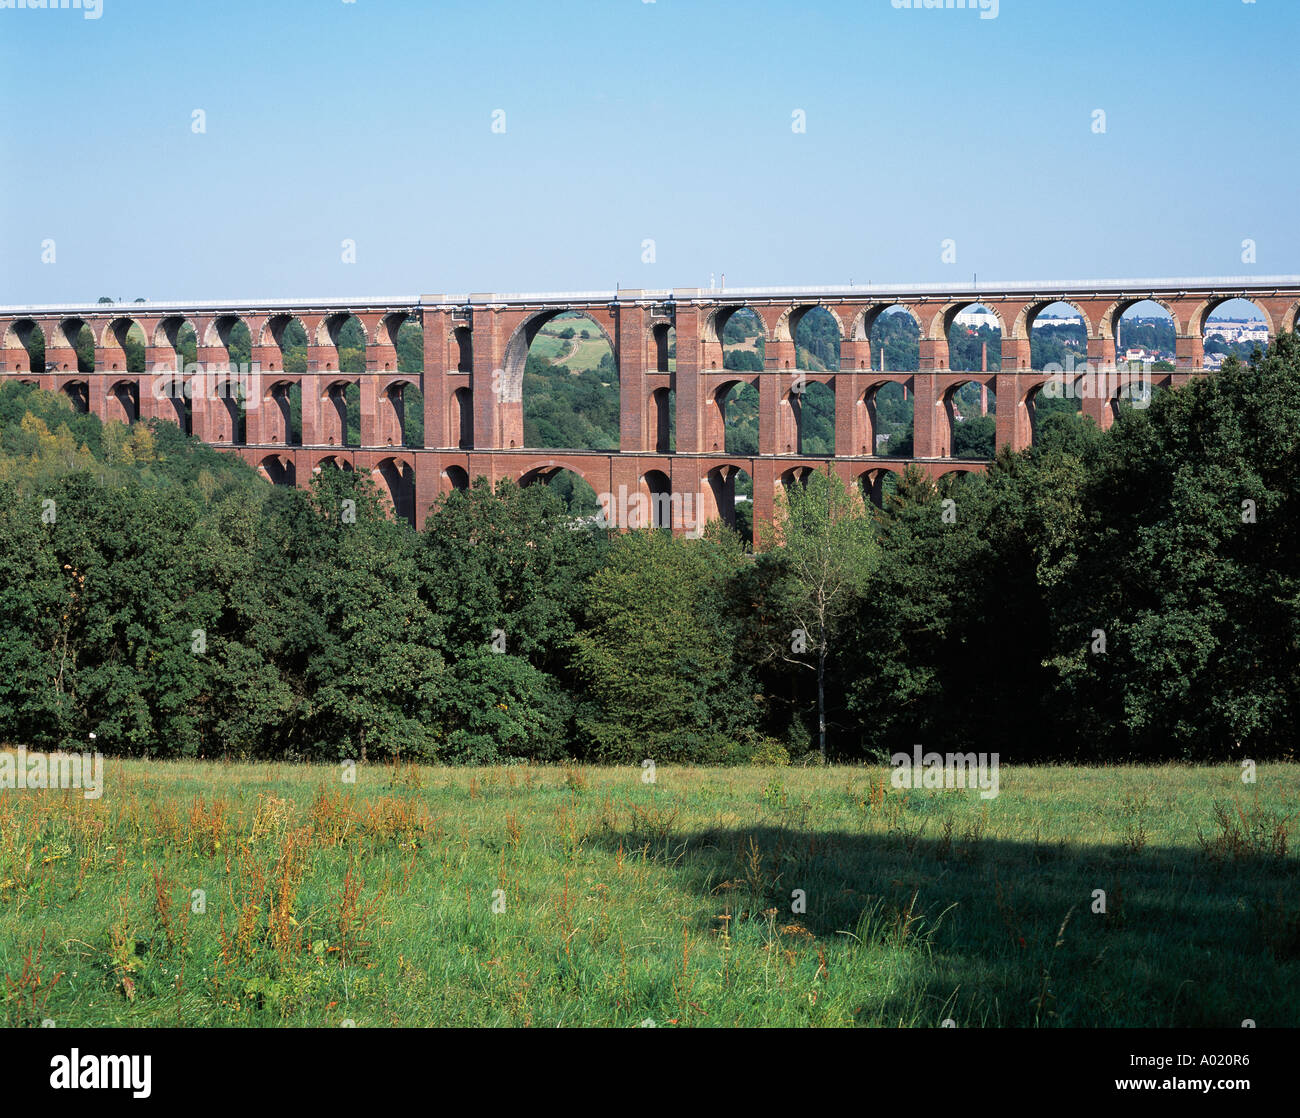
x,y
626,120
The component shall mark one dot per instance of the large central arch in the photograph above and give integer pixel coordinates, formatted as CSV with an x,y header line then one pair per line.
x,y
558,365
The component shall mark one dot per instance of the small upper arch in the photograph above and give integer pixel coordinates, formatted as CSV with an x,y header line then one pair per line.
x,y
1106,327
788,323
1024,324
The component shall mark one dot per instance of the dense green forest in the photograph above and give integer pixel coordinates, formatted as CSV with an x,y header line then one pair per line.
x,y
1104,595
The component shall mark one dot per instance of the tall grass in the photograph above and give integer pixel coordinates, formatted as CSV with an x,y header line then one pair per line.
x,y
204,894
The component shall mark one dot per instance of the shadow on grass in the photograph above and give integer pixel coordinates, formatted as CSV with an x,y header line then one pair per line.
x,y
1007,933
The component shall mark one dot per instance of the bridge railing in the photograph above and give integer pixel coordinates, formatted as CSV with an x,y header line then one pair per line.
x,y
874,291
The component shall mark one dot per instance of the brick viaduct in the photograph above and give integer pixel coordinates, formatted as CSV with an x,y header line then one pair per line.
x,y
475,348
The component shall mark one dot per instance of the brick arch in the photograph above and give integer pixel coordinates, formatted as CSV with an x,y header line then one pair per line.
x,y
1201,315
392,414
278,469
332,418
392,380
715,418
788,323
1025,419
945,420
542,469
869,482
864,426
868,316
795,475
65,339
387,327
274,412
17,340
717,489
11,337
1023,326
870,381
342,457
657,329
460,340
273,328
78,381
716,322
326,332
861,323
167,332
1113,313
14,337
460,417
877,468
516,351
942,319
454,476
394,476
728,462
218,329
111,342
661,507
122,397
403,460
109,334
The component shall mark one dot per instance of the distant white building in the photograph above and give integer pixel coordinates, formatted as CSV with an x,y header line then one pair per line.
x,y
1237,329
976,319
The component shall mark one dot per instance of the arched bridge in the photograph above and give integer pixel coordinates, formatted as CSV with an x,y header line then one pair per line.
x,y
475,347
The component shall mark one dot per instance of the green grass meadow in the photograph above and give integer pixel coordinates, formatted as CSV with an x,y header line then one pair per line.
x,y
577,353
587,896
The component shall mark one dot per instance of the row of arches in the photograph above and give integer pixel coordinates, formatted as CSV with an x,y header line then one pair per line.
x,y
123,343
394,477
580,407
235,410
807,327
726,492
102,342
967,410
